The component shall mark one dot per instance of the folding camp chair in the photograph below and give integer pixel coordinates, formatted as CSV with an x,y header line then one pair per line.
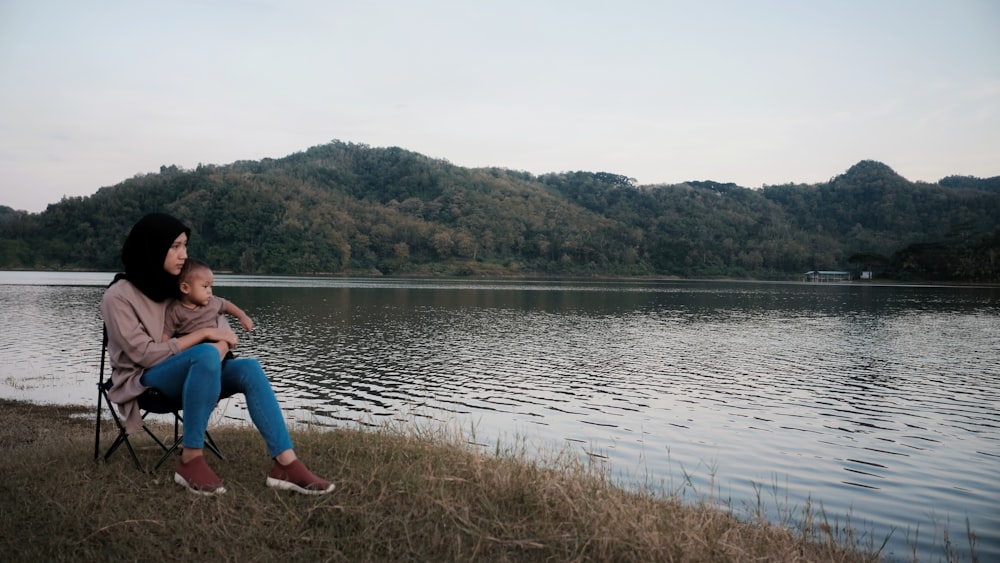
x,y
150,402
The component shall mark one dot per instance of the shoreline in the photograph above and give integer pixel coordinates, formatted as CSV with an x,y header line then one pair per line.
x,y
532,277
398,497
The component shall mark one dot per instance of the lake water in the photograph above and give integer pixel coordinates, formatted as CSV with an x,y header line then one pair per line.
x,y
873,402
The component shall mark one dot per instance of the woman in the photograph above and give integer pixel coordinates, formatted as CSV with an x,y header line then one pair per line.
x,y
189,367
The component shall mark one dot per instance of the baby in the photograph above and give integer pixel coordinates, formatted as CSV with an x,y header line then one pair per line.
x,y
197,307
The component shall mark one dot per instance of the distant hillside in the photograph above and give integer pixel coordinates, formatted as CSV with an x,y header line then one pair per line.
x,y
346,208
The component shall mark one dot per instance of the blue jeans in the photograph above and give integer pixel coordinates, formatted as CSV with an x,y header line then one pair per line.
x,y
198,379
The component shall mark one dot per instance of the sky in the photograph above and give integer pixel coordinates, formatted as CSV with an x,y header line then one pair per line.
x,y
755,92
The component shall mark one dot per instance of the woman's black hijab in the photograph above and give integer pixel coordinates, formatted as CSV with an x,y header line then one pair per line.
x,y
144,251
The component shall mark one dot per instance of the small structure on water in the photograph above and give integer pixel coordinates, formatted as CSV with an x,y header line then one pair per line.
x,y
825,276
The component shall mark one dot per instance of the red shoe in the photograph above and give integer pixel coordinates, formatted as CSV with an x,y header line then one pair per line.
x,y
198,477
295,477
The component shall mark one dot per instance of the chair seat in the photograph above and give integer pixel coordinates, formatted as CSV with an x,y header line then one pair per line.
x,y
152,401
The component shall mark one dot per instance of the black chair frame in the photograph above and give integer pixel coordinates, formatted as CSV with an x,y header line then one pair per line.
x,y
150,402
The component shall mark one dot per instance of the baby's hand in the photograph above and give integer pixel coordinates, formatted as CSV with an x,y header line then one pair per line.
x,y
247,323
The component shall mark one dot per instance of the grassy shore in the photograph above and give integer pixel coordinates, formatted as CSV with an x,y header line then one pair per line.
x,y
401,496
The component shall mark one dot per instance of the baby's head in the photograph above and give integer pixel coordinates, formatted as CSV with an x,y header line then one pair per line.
x,y
195,282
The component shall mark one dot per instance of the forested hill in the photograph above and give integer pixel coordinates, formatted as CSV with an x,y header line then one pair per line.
x,y
346,208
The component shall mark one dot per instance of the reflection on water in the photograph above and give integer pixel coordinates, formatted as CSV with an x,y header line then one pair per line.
x,y
870,400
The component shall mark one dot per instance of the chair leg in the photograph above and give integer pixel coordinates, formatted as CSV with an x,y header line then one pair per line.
x,y
210,443
123,439
100,393
119,440
178,438
155,438
166,454
97,424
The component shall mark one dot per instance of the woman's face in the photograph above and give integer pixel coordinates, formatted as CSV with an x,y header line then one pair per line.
x,y
176,255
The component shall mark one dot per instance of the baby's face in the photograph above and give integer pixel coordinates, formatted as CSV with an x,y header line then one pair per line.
x,y
198,289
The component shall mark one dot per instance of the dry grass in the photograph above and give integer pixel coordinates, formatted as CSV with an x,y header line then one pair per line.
x,y
400,497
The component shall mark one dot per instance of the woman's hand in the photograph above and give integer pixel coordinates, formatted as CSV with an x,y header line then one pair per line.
x,y
223,339
221,336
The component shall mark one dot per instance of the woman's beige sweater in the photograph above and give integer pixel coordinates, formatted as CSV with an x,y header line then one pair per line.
x,y
135,326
